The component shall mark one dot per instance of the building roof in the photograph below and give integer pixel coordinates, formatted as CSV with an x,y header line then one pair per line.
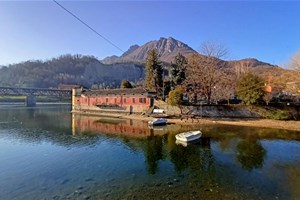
x,y
111,92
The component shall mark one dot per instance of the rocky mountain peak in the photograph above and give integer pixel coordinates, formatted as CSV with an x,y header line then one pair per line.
x,y
167,49
131,49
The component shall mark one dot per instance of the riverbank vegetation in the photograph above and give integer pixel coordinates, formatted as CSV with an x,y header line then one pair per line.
x,y
203,80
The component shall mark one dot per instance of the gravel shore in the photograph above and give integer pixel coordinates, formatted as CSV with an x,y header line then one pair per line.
x,y
266,123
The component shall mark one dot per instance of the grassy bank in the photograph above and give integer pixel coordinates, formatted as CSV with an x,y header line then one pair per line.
x,y
278,112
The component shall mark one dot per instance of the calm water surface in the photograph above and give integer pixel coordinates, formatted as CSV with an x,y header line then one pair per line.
x,y
48,153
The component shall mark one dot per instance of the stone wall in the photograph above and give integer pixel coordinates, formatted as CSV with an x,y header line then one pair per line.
x,y
222,111
120,110
232,111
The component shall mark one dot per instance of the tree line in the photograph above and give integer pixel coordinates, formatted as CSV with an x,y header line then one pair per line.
x,y
65,69
202,77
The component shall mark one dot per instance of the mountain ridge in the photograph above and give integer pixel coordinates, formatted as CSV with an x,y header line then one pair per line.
x,y
167,49
89,71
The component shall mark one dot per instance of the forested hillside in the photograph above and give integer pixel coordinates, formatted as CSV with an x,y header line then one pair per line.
x,y
68,69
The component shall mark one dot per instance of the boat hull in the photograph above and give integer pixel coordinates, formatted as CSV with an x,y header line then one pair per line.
x,y
188,136
158,122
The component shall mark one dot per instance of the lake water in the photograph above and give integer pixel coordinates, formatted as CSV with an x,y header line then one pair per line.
x,y
48,153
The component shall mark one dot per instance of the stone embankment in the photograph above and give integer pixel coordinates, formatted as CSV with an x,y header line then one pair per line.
x,y
215,111
228,115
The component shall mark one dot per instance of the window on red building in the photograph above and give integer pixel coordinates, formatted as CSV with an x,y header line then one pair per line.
x,y
124,100
142,100
106,100
133,100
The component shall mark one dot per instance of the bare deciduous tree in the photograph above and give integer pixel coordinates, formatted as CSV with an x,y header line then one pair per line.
x,y
295,61
241,68
268,97
192,84
294,86
225,88
212,49
202,72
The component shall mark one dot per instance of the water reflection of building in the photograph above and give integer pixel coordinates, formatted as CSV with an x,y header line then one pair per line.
x,y
95,124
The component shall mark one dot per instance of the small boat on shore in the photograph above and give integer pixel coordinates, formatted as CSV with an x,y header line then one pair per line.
x,y
188,136
158,122
160,115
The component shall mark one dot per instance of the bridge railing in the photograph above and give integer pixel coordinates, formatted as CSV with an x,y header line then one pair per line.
x,y
15,91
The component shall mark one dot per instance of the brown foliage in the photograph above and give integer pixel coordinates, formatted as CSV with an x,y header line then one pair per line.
x,y
203,76
295,61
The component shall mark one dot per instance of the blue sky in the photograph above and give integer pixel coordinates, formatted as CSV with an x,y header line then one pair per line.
x,y
268,31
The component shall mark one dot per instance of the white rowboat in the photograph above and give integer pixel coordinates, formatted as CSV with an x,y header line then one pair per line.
x,y
188,136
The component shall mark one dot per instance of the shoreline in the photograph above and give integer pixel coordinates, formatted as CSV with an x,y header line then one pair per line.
x,y
263,123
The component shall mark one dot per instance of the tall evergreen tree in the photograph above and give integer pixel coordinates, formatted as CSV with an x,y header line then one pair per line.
x,y
250,88
178,69
125,84
154,71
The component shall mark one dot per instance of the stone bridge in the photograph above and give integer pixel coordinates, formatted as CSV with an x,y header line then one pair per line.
x,y
31,93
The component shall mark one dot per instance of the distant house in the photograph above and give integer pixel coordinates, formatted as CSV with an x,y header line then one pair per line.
x,y
268,88
136,100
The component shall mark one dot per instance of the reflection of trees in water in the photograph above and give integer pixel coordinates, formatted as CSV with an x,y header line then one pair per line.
x,y
250,154
225,143
185,157
154,152
227,131
198,158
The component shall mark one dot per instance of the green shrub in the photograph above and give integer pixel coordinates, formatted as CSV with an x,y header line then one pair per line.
x,y
280,115
271,113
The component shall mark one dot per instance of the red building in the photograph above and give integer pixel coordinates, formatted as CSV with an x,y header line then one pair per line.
x,y
136,100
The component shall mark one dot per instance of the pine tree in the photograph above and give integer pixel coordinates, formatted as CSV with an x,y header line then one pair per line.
x,y
154,70
250,88
126,84
178,69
